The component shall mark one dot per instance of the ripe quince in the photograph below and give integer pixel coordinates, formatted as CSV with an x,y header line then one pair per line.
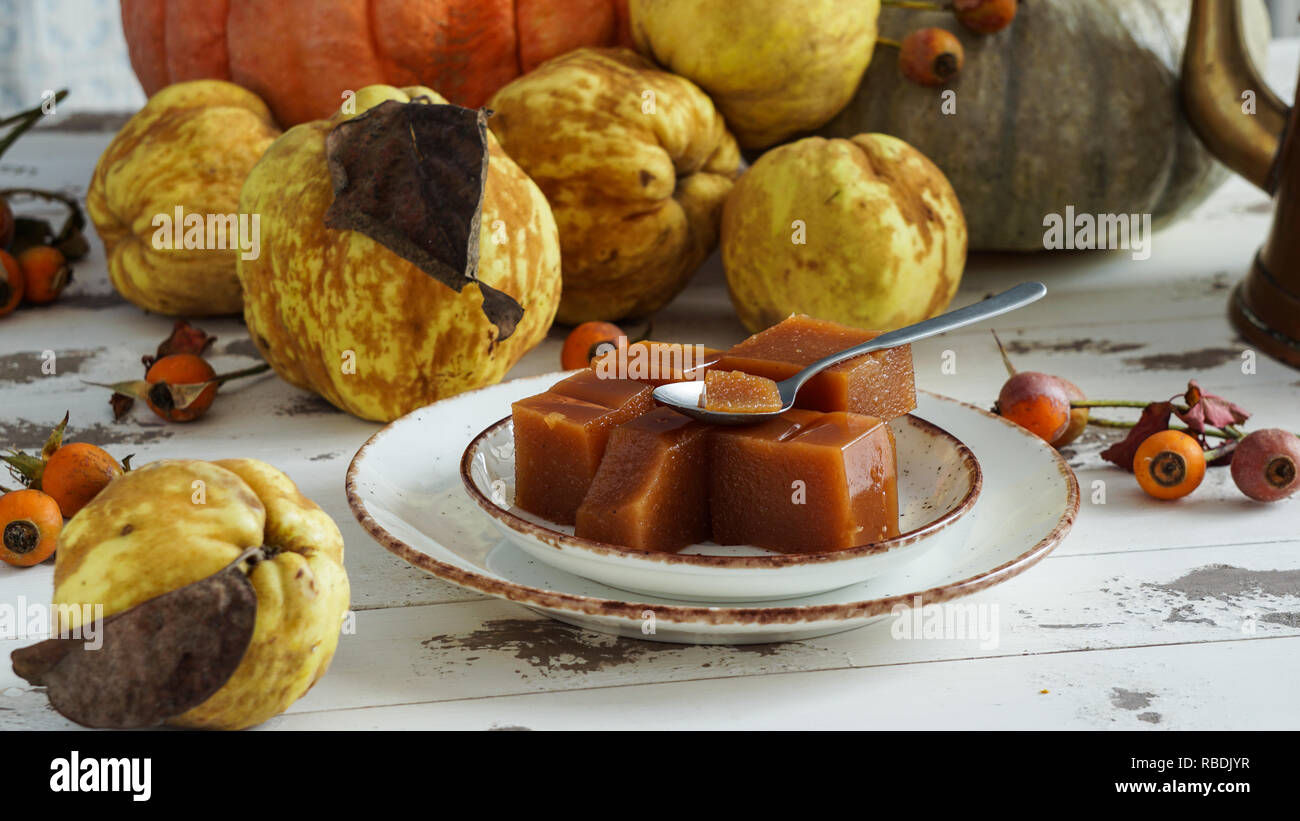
x,y
184,156
774,68
336,312
866,232
636,163
169,523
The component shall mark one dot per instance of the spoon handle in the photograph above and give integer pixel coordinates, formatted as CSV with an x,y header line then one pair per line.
x,y
1008,300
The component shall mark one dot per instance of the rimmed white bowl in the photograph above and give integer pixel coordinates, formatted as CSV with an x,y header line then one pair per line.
x,y
938,486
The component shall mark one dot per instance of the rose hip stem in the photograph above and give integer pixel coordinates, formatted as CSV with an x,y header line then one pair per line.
x,y
1226,432
1221,451
136,387
250,371
1215,432
1108,403
25,119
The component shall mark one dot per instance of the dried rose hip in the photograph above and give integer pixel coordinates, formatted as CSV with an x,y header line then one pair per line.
x,y
1265,463
180,369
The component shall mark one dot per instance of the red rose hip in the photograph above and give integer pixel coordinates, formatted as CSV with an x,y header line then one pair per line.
x,y
1266,465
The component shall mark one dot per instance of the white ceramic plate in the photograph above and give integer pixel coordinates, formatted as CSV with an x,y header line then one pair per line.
x,y
405,489
938,485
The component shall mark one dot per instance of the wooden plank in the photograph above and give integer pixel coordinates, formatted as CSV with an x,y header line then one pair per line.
x,y
1243,685
1207,596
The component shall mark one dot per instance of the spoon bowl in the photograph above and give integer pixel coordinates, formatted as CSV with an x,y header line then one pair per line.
x,y
685,396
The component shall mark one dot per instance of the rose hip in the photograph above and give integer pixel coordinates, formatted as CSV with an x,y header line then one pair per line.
x,y
584,342
1265,463
1078,416
1037,402
931,56
985,16
1169,464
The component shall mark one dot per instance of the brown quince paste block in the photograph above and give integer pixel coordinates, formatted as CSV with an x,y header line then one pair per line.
x,y
560,437
804,482
656,363
739,392
879,384
652,490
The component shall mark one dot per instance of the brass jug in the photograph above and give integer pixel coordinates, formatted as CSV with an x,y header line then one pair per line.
x,y
1264,147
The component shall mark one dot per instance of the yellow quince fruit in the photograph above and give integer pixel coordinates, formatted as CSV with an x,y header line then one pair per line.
x,y
170,523
164,197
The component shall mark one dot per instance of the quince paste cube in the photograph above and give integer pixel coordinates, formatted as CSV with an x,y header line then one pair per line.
x,y
656,363
804,482
651,492
739,392
879,384
560,437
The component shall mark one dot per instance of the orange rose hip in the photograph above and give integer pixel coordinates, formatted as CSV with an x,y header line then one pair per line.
x,y
30,523
76,473
180,369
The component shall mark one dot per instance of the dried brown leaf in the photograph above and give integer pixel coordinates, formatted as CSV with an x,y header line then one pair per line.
x,y
410,176
121,404
185,338
1207,410
1155,418
157,660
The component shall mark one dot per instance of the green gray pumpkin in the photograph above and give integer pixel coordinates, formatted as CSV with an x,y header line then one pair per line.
x,y
1076,103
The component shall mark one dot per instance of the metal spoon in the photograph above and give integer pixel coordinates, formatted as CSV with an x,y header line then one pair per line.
x,y
685,396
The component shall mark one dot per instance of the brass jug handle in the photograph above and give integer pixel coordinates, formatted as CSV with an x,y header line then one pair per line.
x,y
1217,73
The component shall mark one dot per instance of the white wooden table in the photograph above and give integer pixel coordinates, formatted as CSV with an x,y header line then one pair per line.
x,y
1149,615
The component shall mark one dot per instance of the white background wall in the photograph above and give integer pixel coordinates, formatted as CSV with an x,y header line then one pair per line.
x,y
1286,17
74,44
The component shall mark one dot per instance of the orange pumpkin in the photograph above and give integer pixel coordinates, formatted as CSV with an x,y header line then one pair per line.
x,y
300,56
